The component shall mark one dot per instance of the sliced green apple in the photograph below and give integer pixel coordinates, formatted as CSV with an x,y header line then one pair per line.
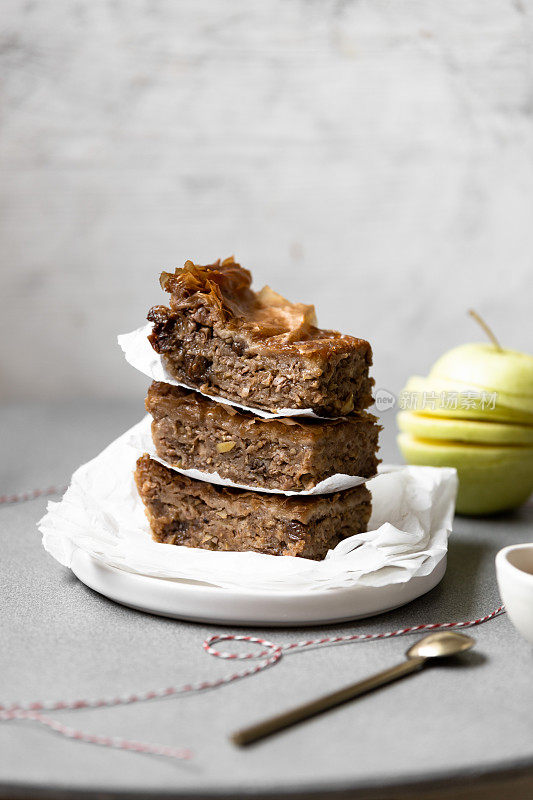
x,y
488,367
491,479
436,396
424,426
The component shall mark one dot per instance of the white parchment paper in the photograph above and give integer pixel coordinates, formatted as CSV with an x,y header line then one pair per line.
x,y
141,439
102,514
140,354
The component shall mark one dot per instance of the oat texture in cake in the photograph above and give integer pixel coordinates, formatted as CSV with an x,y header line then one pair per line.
x,y
190,431
193,513
256,348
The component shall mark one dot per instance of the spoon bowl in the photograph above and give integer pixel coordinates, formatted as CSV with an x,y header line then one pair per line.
x,y
440,645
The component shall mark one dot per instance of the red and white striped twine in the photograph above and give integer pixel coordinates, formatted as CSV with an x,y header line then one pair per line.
x,y
9,499
270,654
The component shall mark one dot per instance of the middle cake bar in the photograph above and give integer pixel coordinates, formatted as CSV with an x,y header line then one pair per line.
x,y
191,431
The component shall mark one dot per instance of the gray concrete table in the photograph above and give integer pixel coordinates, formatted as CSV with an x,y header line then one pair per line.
x,y
59,639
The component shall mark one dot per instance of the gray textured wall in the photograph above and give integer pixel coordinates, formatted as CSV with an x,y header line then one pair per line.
x,y
373,157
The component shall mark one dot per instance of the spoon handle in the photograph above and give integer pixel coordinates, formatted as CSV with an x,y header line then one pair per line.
x,y
287,718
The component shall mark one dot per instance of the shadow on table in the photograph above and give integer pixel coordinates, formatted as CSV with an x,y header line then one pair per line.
x,y
456,593
454,598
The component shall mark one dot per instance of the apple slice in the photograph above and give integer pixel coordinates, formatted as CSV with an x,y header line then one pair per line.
x,y
423,426
486,366
491,478
428,393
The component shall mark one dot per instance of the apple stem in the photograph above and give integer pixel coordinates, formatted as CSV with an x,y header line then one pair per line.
x,y
485,327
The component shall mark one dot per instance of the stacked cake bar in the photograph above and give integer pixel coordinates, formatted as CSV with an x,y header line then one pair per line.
x,y
304,392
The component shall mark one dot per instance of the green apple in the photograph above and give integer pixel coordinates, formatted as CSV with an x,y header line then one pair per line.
x,y
474,412
423,426
491,478
444,397
486,366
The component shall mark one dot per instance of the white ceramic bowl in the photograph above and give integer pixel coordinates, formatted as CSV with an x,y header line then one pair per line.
x,y
514,572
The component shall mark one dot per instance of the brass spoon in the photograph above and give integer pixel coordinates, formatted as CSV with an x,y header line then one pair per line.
x,y
435,645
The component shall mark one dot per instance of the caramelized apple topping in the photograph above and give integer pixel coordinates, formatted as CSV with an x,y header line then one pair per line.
x,y
221,292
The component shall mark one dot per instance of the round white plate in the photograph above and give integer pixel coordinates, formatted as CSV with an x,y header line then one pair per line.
x,y
200,603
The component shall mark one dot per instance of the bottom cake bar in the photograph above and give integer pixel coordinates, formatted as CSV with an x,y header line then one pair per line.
x,y
194,513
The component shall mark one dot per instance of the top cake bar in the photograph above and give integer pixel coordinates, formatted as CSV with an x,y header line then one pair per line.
x,y
256,348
